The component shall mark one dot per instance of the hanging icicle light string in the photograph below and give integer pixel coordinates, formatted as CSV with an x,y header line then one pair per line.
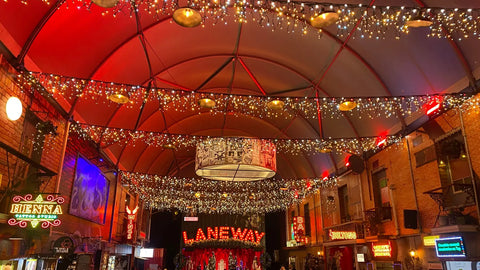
x,y
377,22
132,96
203,195
107,136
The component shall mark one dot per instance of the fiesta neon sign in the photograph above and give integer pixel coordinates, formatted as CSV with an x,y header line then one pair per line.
x,y
225,233
41,210
382,250
131,215
342,235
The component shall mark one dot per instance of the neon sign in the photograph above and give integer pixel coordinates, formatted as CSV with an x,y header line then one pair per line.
x,y
41,210
429,241
131,215
342,235
225,233
450,247
299,229
382,250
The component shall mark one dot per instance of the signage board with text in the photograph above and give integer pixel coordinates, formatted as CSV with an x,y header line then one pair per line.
x,y
450,247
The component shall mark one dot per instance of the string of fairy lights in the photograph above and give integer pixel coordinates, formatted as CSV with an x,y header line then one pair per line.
x,y
107,136
209,196
178,100
377,22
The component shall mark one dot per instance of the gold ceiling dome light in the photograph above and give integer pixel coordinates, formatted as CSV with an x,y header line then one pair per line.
x,y
418,21
347,106
187,17
206,103
105,3
275,104
324,19
119,98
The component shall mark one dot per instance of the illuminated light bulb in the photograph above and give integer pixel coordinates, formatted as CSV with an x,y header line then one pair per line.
x,y
119,98
324,19
14,108
412,253
187,17
347,106
275,104
197,194
418,22
206,103
105,3
169,146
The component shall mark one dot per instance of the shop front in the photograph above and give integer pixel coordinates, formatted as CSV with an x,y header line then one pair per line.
x,y
342,244
458,248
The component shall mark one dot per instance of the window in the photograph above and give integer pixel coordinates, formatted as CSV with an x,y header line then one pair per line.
x,y
306,213
452,162
343,201
381,194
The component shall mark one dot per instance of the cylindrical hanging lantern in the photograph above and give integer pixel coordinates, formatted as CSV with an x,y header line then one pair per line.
x,y
235,159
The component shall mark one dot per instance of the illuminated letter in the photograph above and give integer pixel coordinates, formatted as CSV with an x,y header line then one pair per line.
x,y
200,235
28,209
185,238
249,236
212,234
224,232
47,209
15,208
259,236
238,234
58,210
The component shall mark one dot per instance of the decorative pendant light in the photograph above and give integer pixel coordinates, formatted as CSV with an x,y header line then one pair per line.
x,y
324,19
235,159
187,17
347,106
418,21
14,108
119,98
105,3
206,103
275,104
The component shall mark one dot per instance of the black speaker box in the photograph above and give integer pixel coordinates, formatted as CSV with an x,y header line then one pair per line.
x,y
356,164
410,219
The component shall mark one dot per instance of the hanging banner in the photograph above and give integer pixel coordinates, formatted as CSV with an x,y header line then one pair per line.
x,y
43,209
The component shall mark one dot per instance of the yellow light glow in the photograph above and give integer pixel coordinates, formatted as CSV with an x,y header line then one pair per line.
x,y
14,108
187,17
429,241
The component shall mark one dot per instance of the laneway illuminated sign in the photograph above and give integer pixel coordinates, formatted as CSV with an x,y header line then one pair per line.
x,y
131,215
41,210
342,235
299,229
429,241
450,247
382,250
225,233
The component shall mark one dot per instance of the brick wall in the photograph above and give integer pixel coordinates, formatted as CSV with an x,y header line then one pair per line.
x,y
73,225
20,135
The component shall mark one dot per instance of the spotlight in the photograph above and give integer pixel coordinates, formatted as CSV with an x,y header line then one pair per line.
x,y
347,106
119,98
418,22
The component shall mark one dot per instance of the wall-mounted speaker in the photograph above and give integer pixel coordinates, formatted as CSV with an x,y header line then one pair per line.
x,y
356,164
410,219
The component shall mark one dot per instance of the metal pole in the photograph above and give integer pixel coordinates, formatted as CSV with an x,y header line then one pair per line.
x,y
315,217
412,177
474,182
113,207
